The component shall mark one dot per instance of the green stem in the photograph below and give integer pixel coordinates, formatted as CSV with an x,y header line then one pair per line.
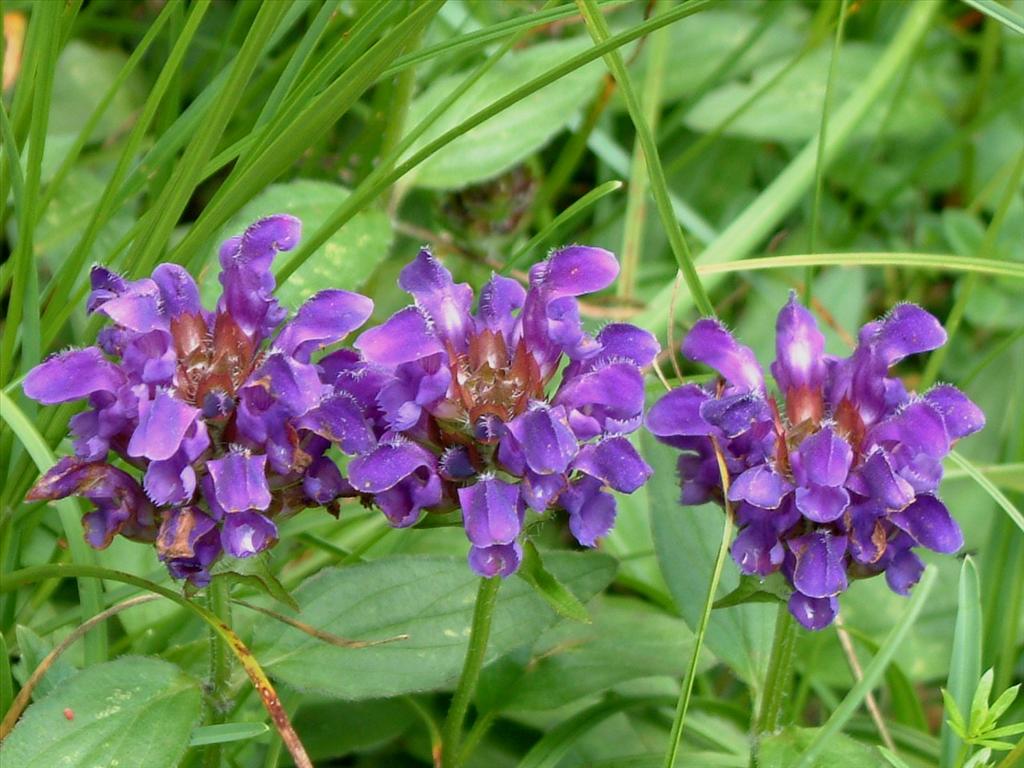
x,y
220,663
686,691
483,612
779,674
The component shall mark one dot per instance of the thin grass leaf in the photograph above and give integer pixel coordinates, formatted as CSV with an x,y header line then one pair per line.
x,y
659,185
166,210
872,673
964,664
1012,21
90,592
759,218
1008,506
819,163
224,733
366,192
58,312
305,127
942,263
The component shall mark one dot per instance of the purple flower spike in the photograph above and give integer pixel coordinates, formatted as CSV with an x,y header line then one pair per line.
x,y
492,512
221,429
464,407
836,476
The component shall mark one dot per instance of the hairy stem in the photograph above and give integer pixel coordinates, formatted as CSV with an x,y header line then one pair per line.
x,y
483,612
220,663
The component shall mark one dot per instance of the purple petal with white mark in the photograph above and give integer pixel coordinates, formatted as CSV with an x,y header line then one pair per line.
x,y
446,302
813,613
824,459
245,534
908,330
491,512
547,442
822,503
761,486
497,560
386,465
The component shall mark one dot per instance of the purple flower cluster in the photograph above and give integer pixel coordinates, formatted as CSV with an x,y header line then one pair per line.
x,y
460,414
223,413
840,483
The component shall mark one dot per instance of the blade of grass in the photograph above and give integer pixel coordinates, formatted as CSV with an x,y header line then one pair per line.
x,y
873,672
23,302
819,163
252,668
61,285
756,222
1012,21
940,262
998,496
598,28
686,689
70,512
636,193
965,660
165,212
367,190
304,128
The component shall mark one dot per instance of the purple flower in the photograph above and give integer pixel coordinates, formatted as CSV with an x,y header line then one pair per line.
x,y
223,413
465,410
840,481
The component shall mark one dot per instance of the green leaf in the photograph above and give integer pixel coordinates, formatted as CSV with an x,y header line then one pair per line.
x,y
628,640
223,733
555,593
791,110
686,541
895,760
979,704
430,599
964,663
524,127
133,713
956,718
373,723
782,750
33,649
255,572
754,589
84,73
1006,698
346,260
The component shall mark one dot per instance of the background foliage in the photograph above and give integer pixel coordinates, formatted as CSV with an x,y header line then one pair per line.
x,y
135,132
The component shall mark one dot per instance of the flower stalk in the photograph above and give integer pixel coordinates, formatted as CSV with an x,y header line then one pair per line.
x,y
779,674
219,600
483,613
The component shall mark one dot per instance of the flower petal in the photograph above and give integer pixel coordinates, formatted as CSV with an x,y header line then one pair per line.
x,y
405,336
824,459
240,481
72,375
799,350
757,550
446,302
677,413
959,414
822,503
918,426
163,422
908,330
903,572
179,294
820,570
492,512
710,343
761,486
877,480
386,465
247,533
497,560
574,271
735,414
928,521
325,318
615,462
591,511
813,613
340,419
547,442
625,341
